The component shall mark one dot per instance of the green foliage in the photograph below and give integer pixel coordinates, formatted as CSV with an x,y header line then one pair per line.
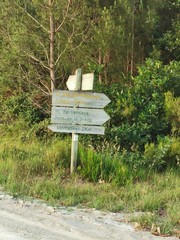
x,y
167,38
148,97
172,107
92,33
20,106
171,41
162,155
130,136
139,110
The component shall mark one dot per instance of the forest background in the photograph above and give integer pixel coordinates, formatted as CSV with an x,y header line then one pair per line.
x,y
132,46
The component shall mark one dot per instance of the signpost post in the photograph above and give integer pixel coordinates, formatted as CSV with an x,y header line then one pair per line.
x,y
74,148
76,111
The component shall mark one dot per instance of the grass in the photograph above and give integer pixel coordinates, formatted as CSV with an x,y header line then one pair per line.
x,y
41,169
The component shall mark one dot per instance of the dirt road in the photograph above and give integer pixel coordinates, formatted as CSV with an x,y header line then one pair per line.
x,y
34,220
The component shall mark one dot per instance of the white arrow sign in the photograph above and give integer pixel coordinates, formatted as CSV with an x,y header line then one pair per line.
x,y
79,116
79,99
67,128
72,83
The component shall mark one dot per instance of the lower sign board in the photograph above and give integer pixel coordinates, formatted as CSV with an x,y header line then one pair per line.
x,y
67,128
78,116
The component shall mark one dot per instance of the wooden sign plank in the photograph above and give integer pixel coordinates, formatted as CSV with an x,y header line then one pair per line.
x,y
79,99
78,116
68,128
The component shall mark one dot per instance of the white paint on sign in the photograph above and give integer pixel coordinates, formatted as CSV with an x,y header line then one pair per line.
x,y
79,99
78,116
84,129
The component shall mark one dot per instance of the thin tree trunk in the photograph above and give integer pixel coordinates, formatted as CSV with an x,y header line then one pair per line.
x,y
100,62
51,46
105,62
127,63
132,38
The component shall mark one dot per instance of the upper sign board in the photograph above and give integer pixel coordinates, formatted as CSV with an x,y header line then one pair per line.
x,y
79,99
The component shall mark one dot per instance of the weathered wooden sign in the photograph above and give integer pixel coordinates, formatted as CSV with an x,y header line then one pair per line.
x,y
84,129
79,99
78,116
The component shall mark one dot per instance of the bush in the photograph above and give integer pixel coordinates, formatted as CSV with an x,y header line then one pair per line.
x,y
165,154
172,107
137,111
20,107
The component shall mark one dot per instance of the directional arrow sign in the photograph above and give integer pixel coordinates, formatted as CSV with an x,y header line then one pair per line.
x,y
74,84
78,116
71,83
74,81
79,99
67,128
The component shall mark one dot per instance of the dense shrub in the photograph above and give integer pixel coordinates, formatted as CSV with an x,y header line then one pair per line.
x,y
141,111
172,107
18,107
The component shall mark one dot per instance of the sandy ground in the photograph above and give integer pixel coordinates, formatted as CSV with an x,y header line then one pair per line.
x,y
34,220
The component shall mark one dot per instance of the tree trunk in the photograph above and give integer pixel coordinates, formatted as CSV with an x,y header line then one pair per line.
x,y
100,62
51,46
132,38
105,63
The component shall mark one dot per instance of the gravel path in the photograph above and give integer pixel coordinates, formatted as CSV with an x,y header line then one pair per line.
x,y
34,220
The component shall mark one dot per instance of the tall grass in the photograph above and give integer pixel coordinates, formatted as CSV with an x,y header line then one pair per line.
x,y
21,162
102,167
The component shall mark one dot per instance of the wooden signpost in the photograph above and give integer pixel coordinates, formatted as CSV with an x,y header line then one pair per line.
x,y
76,112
